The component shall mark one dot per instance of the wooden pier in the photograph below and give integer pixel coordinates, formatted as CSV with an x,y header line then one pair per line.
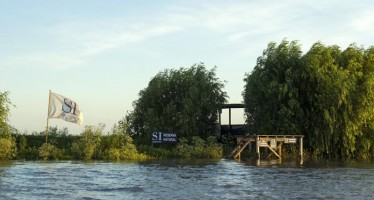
x,y
271,142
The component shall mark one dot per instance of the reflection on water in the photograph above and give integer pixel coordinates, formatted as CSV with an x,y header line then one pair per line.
x,y
173,179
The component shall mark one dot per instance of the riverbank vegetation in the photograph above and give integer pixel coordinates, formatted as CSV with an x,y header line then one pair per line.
x,y
185,101
117,145
7,143
327,95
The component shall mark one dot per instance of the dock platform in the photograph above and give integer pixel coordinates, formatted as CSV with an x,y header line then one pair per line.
x,y
273,143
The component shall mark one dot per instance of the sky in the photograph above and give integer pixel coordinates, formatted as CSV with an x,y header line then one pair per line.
x,y
101,54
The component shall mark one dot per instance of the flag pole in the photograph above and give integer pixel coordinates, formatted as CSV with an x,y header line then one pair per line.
x,y
46,128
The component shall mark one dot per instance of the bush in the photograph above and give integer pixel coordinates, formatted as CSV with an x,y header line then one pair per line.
x,y
7,148
87,144
119,146
113,154
157,153
49,152
213,149
199,148
183,149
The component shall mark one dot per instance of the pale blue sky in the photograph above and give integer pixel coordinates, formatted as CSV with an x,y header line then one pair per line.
x,y
102,53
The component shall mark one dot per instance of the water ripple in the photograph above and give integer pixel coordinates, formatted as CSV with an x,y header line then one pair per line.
x,y
172,179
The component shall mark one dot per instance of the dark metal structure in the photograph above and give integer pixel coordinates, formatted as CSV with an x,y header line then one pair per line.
x,y
237,129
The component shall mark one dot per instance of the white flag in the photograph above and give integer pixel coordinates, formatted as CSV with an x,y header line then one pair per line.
x,y
64,108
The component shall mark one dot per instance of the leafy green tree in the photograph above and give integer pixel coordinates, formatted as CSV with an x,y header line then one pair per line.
x,y
321,92
183,101
7,150
326,95
5,104
340,98
271,90
7,143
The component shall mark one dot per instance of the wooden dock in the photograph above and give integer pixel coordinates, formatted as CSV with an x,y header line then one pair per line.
x,y
271,142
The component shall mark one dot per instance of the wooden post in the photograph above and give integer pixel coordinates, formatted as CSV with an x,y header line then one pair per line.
x,y
49,109
257,148
250,147
280,149
230,127
220,123
274,152
301,151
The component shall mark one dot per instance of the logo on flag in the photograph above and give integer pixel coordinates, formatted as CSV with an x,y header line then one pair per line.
x,y
64,108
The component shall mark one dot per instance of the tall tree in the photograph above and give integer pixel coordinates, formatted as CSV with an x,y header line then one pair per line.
x,y
7,143
5,105
185,101
326,95
325,91
271,93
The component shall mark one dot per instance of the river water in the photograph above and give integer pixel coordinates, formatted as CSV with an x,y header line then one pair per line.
x,y
171,179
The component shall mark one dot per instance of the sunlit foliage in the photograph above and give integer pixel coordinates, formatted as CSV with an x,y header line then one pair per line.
x,y
88,142
7,143
326,95
184,101
199,148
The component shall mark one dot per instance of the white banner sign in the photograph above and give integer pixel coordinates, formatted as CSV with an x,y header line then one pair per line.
x,y
64,108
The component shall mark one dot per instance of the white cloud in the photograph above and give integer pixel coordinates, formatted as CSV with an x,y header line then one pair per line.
x,y
364,22
71,44
250,15
103,42
46,60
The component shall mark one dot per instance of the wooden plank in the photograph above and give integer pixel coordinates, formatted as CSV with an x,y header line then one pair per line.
x,y
279,148
275,141
242,148
275,153
240,143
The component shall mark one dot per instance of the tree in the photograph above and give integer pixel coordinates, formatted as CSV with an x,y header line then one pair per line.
x,y
271,90
324,92
7,143
5,105
326,95
340,99
185,101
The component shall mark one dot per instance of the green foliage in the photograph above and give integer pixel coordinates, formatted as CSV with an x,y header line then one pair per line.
x,y
183,101
183,149
271,90
326,95
212,148
119,145
7,148
156,152
88,142
7,143
28,144
49,152
5,105
199,148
